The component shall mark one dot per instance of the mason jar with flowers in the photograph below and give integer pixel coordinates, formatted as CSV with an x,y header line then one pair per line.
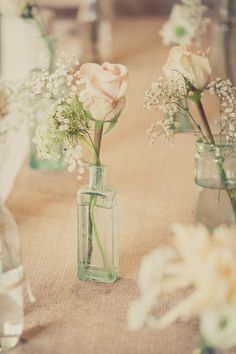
x,y
187,74
88,101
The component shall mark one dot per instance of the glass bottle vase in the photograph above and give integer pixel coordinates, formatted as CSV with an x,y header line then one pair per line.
x,y
223,47
98,257
95,30
215,179
11,282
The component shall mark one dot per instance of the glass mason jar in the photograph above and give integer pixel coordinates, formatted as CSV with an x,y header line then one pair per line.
x,y
98,257
215,178
11,282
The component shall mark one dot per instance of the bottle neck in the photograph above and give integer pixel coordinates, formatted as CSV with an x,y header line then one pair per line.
x,y
97,176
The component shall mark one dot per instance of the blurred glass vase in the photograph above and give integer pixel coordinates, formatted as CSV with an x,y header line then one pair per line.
x,y
94,27
11,282
215,178
22,47
223,49
98,257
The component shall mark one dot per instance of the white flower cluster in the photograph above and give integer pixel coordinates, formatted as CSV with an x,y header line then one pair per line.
x,y
66,122
187,23
226,94
63,82
166,129
207,264
168,96
73,157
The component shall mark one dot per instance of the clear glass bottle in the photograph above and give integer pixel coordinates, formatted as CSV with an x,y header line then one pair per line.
x,y
98,257
95,31
215,178
11,282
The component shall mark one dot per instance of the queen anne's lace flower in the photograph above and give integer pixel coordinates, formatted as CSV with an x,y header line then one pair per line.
x,y
66,124
187,23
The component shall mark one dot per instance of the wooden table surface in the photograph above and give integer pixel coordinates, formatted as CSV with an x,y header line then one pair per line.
x,y
156,189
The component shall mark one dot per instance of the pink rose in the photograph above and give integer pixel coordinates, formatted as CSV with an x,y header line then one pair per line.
x,y
192,64
105,86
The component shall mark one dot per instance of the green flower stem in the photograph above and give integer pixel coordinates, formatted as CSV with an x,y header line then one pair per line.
x,y
96,157
230,192
97,141
97,238
90,232
92,227
205,122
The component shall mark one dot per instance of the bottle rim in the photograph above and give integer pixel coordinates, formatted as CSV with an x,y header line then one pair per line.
x,y
221,141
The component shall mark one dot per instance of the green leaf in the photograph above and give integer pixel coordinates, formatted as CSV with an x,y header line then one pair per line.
x,y
112,123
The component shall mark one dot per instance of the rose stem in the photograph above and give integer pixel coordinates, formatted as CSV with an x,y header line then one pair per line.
x,y
96,157
205,121
97,141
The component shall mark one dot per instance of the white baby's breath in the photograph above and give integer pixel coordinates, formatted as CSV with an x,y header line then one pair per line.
x,y
225,91
64,81
73,157
187,74
65,121
169,97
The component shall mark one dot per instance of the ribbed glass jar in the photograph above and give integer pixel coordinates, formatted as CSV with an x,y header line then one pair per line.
x,y
98,257
215,179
